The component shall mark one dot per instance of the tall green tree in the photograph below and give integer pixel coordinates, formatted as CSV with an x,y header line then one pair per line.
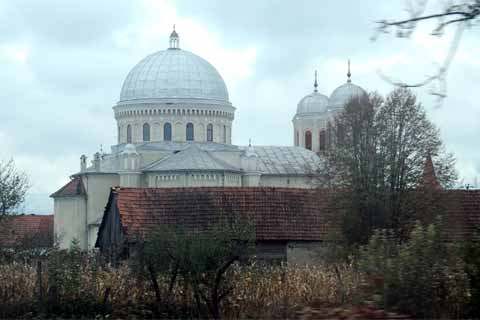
x,y
377,153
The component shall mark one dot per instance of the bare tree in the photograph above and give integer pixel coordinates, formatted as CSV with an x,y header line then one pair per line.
x,y
13,187
377,151
461,15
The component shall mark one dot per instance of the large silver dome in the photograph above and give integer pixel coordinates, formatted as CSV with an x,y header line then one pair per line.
x,y
174,75
312,103
343,94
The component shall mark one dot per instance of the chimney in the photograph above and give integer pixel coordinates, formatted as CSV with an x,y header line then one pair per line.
x,y
83,163
96,161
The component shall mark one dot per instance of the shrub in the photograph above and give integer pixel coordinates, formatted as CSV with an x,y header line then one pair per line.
x,y
423,277
471,256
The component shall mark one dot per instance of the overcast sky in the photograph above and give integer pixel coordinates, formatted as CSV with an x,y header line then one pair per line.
x,y
63,64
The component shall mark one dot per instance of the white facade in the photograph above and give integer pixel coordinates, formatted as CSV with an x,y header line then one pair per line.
x,y
174,122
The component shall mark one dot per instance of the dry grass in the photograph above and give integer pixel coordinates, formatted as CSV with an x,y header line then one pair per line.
x,y
259,291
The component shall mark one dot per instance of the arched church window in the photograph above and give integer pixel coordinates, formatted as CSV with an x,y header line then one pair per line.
x,y
308,140
224,134
190,131
210,132
297,139
129,134
167,132
146,132
322,140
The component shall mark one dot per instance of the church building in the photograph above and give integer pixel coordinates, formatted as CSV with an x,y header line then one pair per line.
x,y
174,121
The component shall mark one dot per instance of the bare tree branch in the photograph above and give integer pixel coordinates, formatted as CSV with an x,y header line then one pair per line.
x,y
13,187
461,15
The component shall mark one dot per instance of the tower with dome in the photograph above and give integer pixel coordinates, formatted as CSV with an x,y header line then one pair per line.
x,y
316,110
174,121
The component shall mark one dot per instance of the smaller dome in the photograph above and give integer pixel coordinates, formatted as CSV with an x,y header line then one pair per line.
x,y
313,103
343,94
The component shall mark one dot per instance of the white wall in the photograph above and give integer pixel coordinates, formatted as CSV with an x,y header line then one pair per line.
x,y
193,179
286,181
303,252
70,221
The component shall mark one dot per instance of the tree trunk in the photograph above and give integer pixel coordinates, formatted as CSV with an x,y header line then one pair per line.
x,y
155,285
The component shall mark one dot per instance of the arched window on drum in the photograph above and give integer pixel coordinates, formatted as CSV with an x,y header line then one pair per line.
x,y
322,137
308,140
210,132
129,134
190,132
146,132
167,132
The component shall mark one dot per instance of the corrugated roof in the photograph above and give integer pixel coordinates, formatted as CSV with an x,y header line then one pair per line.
x,y
191,159
286,160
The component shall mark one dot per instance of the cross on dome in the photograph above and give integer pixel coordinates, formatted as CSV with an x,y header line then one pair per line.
x,y
315,84
349,74
174,39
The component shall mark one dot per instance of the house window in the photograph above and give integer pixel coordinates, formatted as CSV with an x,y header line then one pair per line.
x,y
210,133
308,140
129,134
322,140
190,131
146,132
167,132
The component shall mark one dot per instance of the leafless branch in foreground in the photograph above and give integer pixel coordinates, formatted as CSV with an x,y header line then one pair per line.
x,y
461,15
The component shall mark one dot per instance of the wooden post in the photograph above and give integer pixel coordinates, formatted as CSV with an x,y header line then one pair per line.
x,y
285,289
39,281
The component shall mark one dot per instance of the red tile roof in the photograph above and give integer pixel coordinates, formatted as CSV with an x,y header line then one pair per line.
x,y
463,214
279,213
29,230
73,188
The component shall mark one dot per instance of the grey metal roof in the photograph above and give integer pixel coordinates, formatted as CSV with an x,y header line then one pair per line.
x,y
313,103
272,160
174,74
193,158
341,95
275,160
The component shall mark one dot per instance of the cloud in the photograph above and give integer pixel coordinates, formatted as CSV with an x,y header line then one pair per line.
x,y
63,64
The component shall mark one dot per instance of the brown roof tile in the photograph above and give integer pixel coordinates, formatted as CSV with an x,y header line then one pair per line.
x,y
37,230
279,213
73,188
